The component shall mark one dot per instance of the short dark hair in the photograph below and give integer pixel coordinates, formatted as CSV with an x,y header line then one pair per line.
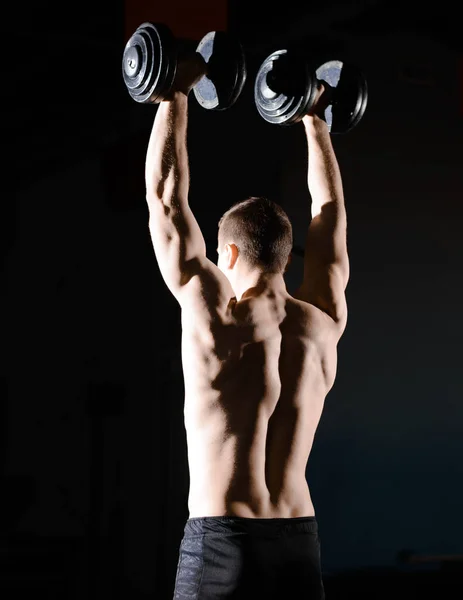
x,y
261,230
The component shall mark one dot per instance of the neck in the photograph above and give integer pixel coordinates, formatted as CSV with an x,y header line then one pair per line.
x,y
259,284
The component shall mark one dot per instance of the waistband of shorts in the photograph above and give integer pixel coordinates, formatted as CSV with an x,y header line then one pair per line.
x,y
232,524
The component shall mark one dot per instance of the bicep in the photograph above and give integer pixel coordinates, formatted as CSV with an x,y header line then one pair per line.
x,y
326,291
326,263
177,242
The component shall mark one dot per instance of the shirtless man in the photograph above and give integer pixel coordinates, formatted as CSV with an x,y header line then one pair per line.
x,y
257,362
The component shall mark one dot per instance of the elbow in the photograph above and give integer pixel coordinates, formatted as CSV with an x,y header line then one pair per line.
x,y
167,190
152,198
159,193
157,186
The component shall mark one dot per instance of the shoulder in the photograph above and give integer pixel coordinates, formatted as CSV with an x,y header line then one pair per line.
x,y
207,290
316,322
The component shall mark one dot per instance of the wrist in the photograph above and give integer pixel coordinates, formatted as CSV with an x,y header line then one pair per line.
x,y
315,126
313,121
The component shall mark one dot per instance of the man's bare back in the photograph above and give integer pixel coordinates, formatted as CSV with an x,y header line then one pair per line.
x,y
256,376
257,364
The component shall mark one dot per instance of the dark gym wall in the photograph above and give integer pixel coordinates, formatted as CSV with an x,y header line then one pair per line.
x,y
189,20
94,462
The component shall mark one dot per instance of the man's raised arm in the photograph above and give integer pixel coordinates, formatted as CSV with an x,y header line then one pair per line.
x,y
177,239
326,263
166,166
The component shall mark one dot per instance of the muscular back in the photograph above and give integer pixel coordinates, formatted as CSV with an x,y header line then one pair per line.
x,y
256,375
256,371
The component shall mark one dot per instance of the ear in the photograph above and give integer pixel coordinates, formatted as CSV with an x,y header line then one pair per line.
x,y
232,255
290,258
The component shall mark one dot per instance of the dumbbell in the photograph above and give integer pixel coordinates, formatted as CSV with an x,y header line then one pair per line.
x,y
152,54
286,86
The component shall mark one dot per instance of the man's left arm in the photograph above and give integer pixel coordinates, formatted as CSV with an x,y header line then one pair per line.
x,y
177,239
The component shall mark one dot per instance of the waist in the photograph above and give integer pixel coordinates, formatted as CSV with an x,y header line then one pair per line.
x,y
274,527
250,504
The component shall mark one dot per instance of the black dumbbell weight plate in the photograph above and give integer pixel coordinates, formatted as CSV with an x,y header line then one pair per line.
x,y
149,63
349,95
284,88
226,64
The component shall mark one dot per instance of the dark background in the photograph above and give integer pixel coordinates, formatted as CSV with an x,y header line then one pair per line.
x,y
93,449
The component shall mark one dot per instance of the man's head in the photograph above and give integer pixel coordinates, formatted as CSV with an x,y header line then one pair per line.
x,y
255,237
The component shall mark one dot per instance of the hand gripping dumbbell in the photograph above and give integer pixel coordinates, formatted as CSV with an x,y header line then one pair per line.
x,y
286,89
152,55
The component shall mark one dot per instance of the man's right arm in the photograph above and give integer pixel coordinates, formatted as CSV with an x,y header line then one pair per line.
x,y
326,262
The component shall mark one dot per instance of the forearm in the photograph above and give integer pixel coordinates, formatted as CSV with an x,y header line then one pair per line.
x,y
166,166
324,176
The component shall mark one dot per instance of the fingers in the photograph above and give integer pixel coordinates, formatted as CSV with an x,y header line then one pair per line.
x,y
189,72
